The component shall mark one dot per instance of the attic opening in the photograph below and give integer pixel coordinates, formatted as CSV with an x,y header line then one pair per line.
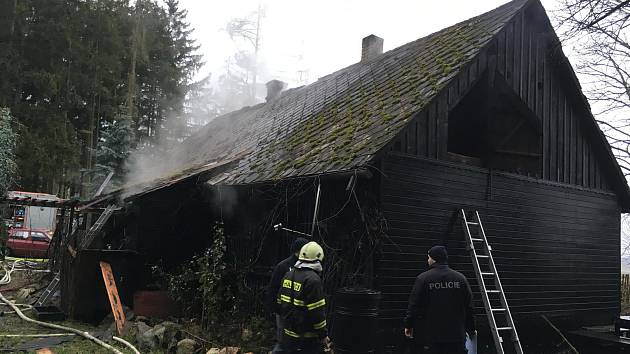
x,y
492,127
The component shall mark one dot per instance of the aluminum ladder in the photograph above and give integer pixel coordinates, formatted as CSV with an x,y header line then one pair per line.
x,y
97,227
50,290
493,299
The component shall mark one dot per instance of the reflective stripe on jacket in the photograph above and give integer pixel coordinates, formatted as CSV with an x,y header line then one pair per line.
x,y
302,304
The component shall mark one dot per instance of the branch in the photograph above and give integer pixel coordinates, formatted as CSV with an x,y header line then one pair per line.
x,y
610,12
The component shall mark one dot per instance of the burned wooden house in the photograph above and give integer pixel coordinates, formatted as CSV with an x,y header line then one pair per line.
x,y
376,161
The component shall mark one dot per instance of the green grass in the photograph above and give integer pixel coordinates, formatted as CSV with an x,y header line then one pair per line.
x,y
11,324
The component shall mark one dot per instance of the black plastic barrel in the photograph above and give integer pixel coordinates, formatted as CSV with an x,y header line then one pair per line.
x,y
355,327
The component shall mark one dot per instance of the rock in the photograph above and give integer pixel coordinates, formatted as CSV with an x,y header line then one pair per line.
x,y
186,346
171,331
214,351
142,327
158,332
146,337
230,350
141,319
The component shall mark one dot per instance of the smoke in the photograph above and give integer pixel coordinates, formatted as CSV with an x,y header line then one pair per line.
x,y
225,200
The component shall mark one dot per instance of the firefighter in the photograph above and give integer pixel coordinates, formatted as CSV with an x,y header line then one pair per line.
x,y
302,304
440,307
274,286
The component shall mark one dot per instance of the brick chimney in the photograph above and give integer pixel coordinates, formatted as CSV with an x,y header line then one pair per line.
x,y
274,88
372,47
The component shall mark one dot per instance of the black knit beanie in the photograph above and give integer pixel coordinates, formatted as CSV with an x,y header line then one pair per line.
x,y
438,253
297,244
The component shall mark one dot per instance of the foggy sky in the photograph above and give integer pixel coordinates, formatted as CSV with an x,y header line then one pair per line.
x,y
322,36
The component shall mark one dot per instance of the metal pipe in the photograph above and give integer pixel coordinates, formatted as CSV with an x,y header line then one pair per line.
x,y
127,344
316,211
63,328
280,227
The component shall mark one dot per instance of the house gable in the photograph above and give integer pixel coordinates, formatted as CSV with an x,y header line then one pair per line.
x,y
526,58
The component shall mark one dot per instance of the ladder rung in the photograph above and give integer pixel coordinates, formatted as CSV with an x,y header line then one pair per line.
x,y
498,310
493,291
504,328
477,239
472,223
482,256
486,273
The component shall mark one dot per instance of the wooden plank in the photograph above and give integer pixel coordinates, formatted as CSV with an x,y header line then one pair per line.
x,y
452,92
432,131
572,145
509,53
112,294
598,175
403,141
579,156
546,119
463,82
592,167
531,72
412,134
553,131
585,162
482,64
473,71
525,59
501,51
567,139
518,53
560,134
423,134
442,127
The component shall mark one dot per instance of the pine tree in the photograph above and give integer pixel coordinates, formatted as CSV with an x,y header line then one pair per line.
x,y
187,63
8,138
66,69
115,146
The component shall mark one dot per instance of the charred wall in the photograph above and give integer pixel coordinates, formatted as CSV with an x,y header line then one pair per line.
x,y
556,246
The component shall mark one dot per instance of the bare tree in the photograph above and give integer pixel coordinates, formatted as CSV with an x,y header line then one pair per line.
x,y
599,31
248,29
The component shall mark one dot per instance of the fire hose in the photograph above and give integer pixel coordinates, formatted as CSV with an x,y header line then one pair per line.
x,y
63,328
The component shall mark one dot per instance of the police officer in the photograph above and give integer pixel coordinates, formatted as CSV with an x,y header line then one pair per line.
x,y
440,306
274,286
302,304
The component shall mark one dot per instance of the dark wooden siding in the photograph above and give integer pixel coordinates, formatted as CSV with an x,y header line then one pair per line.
x,y
556,246
526,57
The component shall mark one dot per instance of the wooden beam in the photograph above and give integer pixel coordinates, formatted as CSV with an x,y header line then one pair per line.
x,y
518,153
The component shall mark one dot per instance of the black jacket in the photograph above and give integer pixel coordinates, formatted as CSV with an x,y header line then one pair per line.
x,y
441,300
271,294
302,306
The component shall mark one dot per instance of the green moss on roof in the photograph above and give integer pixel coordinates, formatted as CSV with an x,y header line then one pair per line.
x,y
347,116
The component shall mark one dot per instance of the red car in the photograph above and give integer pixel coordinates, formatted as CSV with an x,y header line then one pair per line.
x,y
28,243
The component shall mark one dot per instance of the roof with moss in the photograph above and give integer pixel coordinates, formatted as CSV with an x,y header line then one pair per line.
x,y
339,122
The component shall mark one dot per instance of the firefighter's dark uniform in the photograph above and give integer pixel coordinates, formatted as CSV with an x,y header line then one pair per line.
x,y
440,310
274,284
303,309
